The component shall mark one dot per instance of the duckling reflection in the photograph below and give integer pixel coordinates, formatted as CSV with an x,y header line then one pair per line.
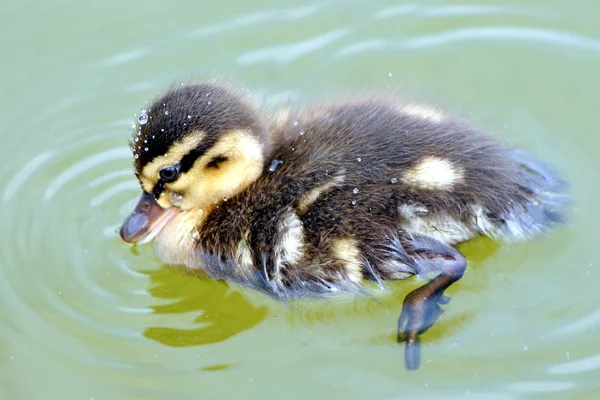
x,y
222,312
322,199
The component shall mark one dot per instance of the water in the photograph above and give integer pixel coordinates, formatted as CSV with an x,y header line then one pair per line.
x,y
84,316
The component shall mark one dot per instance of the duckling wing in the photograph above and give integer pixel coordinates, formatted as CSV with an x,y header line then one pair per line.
x,y
449,180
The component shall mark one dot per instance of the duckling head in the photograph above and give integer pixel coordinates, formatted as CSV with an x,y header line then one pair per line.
x,y
195,146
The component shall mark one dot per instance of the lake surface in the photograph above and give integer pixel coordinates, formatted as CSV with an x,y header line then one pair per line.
x,y
85,316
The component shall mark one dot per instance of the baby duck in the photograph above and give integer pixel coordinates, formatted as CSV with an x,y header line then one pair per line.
x,y
320,200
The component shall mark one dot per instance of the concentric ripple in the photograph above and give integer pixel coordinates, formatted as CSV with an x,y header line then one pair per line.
x,y
83,191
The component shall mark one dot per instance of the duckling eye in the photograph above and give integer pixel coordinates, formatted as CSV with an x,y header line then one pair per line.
x,y
215,162
169,174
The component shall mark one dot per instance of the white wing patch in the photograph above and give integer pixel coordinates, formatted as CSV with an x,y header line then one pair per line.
x,y
307,200
243,255
290,247
346,250
424,112
433,173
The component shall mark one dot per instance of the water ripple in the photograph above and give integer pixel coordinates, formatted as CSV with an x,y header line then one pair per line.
x,y
56,274
540,386
23,175
123,58
578,366
83,166
291,51
567,40
584,324
505,33
246,21
452,10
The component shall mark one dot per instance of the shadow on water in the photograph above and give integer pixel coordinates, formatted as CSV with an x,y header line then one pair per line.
x,y
219,312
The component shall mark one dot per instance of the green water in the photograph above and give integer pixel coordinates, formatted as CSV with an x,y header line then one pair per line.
x,y
85,316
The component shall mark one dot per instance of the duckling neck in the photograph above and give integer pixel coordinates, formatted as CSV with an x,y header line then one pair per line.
x,y
175,243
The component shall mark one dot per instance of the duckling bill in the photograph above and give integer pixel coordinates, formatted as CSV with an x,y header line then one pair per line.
x,y
315,201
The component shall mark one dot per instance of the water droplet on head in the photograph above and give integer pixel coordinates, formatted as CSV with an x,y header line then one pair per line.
x,y
189,117
136,156
137,139
166,112
302,132
295,123
195,235
133,125
353,202
225,199
143,119
145,149
162,129
394,180
145,140
274,165
359,159
209,102
355,190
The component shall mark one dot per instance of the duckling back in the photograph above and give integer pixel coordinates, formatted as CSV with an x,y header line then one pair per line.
x,y
435,174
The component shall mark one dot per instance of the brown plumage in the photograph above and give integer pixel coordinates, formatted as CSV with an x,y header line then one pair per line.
x,y
315,201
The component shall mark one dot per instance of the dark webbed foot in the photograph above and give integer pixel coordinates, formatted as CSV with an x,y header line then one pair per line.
x,y
421,308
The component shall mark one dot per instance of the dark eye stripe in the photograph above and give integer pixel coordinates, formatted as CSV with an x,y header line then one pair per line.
x,y
187,162
215,162
158,189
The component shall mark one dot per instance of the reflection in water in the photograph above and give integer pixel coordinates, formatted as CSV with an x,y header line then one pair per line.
x,y
222,312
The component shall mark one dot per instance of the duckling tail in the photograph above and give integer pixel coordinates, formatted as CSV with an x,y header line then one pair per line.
x,y
545,201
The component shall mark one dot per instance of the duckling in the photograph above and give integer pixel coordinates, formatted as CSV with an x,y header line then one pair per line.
x,y
316,201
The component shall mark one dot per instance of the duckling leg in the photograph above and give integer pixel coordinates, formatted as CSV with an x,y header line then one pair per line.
x,y
421,308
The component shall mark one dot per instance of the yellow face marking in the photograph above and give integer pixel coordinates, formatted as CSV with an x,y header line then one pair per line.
x,y
201,187
433,173
346,250
149,175
424,112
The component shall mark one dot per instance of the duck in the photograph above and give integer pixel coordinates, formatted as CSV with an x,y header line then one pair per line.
x,y
327,198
